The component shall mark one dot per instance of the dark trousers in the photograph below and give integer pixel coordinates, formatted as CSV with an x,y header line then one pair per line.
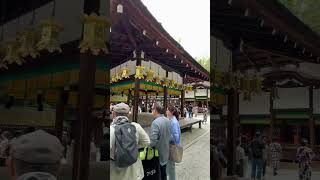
x,y
240,169
163,171
2,162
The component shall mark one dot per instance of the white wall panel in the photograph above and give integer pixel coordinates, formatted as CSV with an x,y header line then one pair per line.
x,y
259,104
292,98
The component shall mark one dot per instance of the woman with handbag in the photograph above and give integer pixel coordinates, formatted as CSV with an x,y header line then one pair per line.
x,y
173,116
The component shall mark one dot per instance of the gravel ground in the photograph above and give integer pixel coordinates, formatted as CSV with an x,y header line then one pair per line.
x,y
196,157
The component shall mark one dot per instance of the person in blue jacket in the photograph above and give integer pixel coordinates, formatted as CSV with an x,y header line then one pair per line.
x,y
173,116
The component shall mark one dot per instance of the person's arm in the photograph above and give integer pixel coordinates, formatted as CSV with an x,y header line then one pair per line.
x,y
144,139
154,134
175,133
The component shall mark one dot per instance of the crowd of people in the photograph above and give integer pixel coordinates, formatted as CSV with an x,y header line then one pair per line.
x,y
258,154
165,130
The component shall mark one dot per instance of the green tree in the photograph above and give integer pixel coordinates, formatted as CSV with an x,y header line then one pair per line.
x,y
306,10
204,62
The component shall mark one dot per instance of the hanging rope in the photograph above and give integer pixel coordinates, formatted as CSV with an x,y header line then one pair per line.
x,y
53,13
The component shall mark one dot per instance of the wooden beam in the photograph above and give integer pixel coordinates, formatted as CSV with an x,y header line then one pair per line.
x,y
285,22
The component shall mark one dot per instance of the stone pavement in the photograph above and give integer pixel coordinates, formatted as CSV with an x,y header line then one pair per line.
x,y
196,155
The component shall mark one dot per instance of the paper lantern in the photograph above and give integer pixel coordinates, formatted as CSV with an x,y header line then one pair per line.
x,y
28,40
12,56
94,34
139,72
50,36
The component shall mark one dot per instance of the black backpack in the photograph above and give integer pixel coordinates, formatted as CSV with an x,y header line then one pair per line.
x,y
126,148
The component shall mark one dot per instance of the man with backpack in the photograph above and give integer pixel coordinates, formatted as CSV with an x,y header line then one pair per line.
x,y
256,148
125,139
160,136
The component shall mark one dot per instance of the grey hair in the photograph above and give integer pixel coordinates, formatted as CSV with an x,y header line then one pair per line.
x,y
23,167
159,108
121,114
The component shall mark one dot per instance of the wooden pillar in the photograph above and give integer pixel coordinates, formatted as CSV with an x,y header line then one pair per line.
x,y
311,120
195,99
231,132
182,104
86,87
136,92
165,95
60,107
207,99
272,117
146,105
129,97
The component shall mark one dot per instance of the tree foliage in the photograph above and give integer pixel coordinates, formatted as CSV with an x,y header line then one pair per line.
x,y
306,10
204,62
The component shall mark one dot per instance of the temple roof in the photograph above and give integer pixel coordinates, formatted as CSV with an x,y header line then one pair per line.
x,y
136,29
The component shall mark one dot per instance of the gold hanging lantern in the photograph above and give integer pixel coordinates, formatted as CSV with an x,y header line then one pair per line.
x,y
139,72
50,36
113,78
28,40
12,56
157,80
94,34
3,65
118,76
247,96
217,77
171,83
125,73
166,82
150,75
227,78
245,83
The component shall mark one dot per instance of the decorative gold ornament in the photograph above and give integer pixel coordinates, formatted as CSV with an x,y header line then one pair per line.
x,y
157,80
150,75
12,56
118,76
217,77
166,82
50,36
125,73
94,34
139,72
188,87
113,78
247,96
245,83
3,65
28,40
171,83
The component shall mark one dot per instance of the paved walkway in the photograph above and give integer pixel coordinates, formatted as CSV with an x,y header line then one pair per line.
x,y
286,174
196,157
